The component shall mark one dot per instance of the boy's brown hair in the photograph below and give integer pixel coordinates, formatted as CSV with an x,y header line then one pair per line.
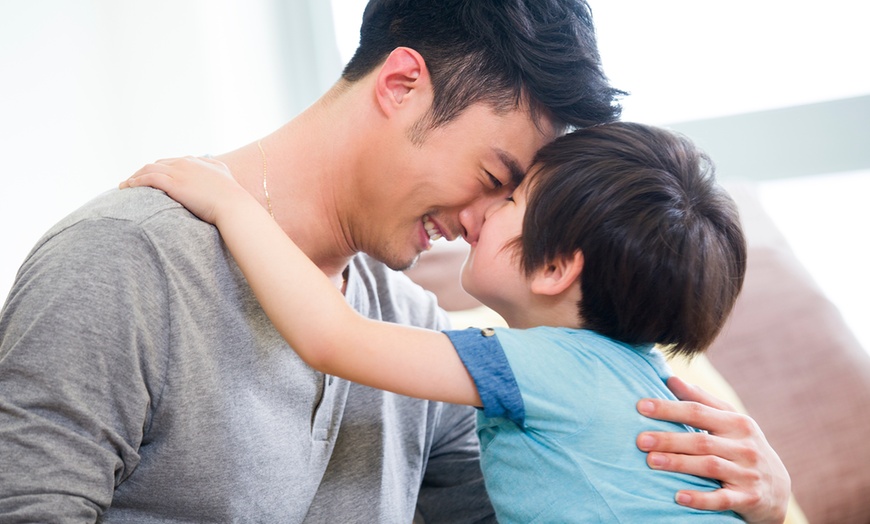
x,y
664,253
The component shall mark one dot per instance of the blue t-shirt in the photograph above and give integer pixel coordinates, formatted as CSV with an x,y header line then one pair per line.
x,y
559,425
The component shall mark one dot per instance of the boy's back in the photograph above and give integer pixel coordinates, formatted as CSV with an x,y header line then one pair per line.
x,y
564,451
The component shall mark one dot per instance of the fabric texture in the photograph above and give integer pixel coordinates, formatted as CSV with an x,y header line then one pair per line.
x,y
572,457
141,382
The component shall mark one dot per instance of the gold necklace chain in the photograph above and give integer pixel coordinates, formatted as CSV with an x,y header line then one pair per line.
x,y
265,185
344,274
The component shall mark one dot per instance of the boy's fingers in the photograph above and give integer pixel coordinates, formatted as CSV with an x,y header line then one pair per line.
x,y
174,159
148,178
150,168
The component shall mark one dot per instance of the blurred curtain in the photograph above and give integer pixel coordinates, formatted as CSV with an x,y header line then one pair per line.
x,y
310,61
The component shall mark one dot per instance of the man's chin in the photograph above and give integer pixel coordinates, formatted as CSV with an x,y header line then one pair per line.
x,y
406,265
398,263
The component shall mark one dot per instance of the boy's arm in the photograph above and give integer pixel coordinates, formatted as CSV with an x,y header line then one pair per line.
x,y
305,307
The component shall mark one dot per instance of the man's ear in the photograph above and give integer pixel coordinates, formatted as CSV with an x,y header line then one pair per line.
x,y
558,275
403,77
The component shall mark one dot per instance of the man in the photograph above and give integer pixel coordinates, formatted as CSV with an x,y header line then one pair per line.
x,y
140,381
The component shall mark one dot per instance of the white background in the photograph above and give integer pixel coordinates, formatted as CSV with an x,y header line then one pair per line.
x,y
91,90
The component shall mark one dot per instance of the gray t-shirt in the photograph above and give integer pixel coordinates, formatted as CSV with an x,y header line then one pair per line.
x,y
141,382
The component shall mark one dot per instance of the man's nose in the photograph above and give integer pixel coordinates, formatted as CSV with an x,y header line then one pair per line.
x,y
472,216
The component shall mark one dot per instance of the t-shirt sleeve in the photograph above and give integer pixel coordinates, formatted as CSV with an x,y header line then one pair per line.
x,y
77,341
526,375
558,376
485,360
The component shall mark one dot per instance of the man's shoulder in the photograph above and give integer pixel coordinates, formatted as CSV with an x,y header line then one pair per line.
x,y
124,225
137,211
137,205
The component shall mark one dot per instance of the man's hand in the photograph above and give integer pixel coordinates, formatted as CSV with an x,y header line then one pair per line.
x,y
755,483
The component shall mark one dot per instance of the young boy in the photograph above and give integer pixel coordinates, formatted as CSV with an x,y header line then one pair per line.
x,y
618,239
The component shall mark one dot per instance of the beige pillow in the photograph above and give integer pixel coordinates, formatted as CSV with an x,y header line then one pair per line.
x,y
800,373
805,379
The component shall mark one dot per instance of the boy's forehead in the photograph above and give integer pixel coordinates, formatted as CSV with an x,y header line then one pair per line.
x,y
529,179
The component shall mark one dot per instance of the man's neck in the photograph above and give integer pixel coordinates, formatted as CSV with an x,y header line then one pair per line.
x,y
305,166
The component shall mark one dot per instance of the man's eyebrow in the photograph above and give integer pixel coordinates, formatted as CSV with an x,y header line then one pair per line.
x,y
516,171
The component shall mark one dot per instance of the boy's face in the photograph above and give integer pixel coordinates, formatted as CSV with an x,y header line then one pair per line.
x,y
492,271
443,185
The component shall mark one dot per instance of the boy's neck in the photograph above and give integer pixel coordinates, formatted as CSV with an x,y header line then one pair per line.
x,y
559,311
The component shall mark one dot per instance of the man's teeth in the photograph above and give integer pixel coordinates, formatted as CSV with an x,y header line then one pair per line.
x,y
431,229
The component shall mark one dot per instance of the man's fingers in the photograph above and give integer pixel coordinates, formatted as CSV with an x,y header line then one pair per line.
x,y
733,450
698,415
690,392
699,465
695,444
719,500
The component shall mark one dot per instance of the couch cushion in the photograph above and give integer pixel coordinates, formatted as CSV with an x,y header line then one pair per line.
x,y
701,372
802,375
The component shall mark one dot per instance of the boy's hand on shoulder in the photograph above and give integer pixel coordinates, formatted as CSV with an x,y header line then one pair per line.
x,y
204,186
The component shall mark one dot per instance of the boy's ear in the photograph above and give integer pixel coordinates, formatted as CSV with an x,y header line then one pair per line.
x,y
402,79
558,275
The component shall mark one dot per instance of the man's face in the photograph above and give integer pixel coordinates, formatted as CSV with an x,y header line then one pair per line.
x,y
443,185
